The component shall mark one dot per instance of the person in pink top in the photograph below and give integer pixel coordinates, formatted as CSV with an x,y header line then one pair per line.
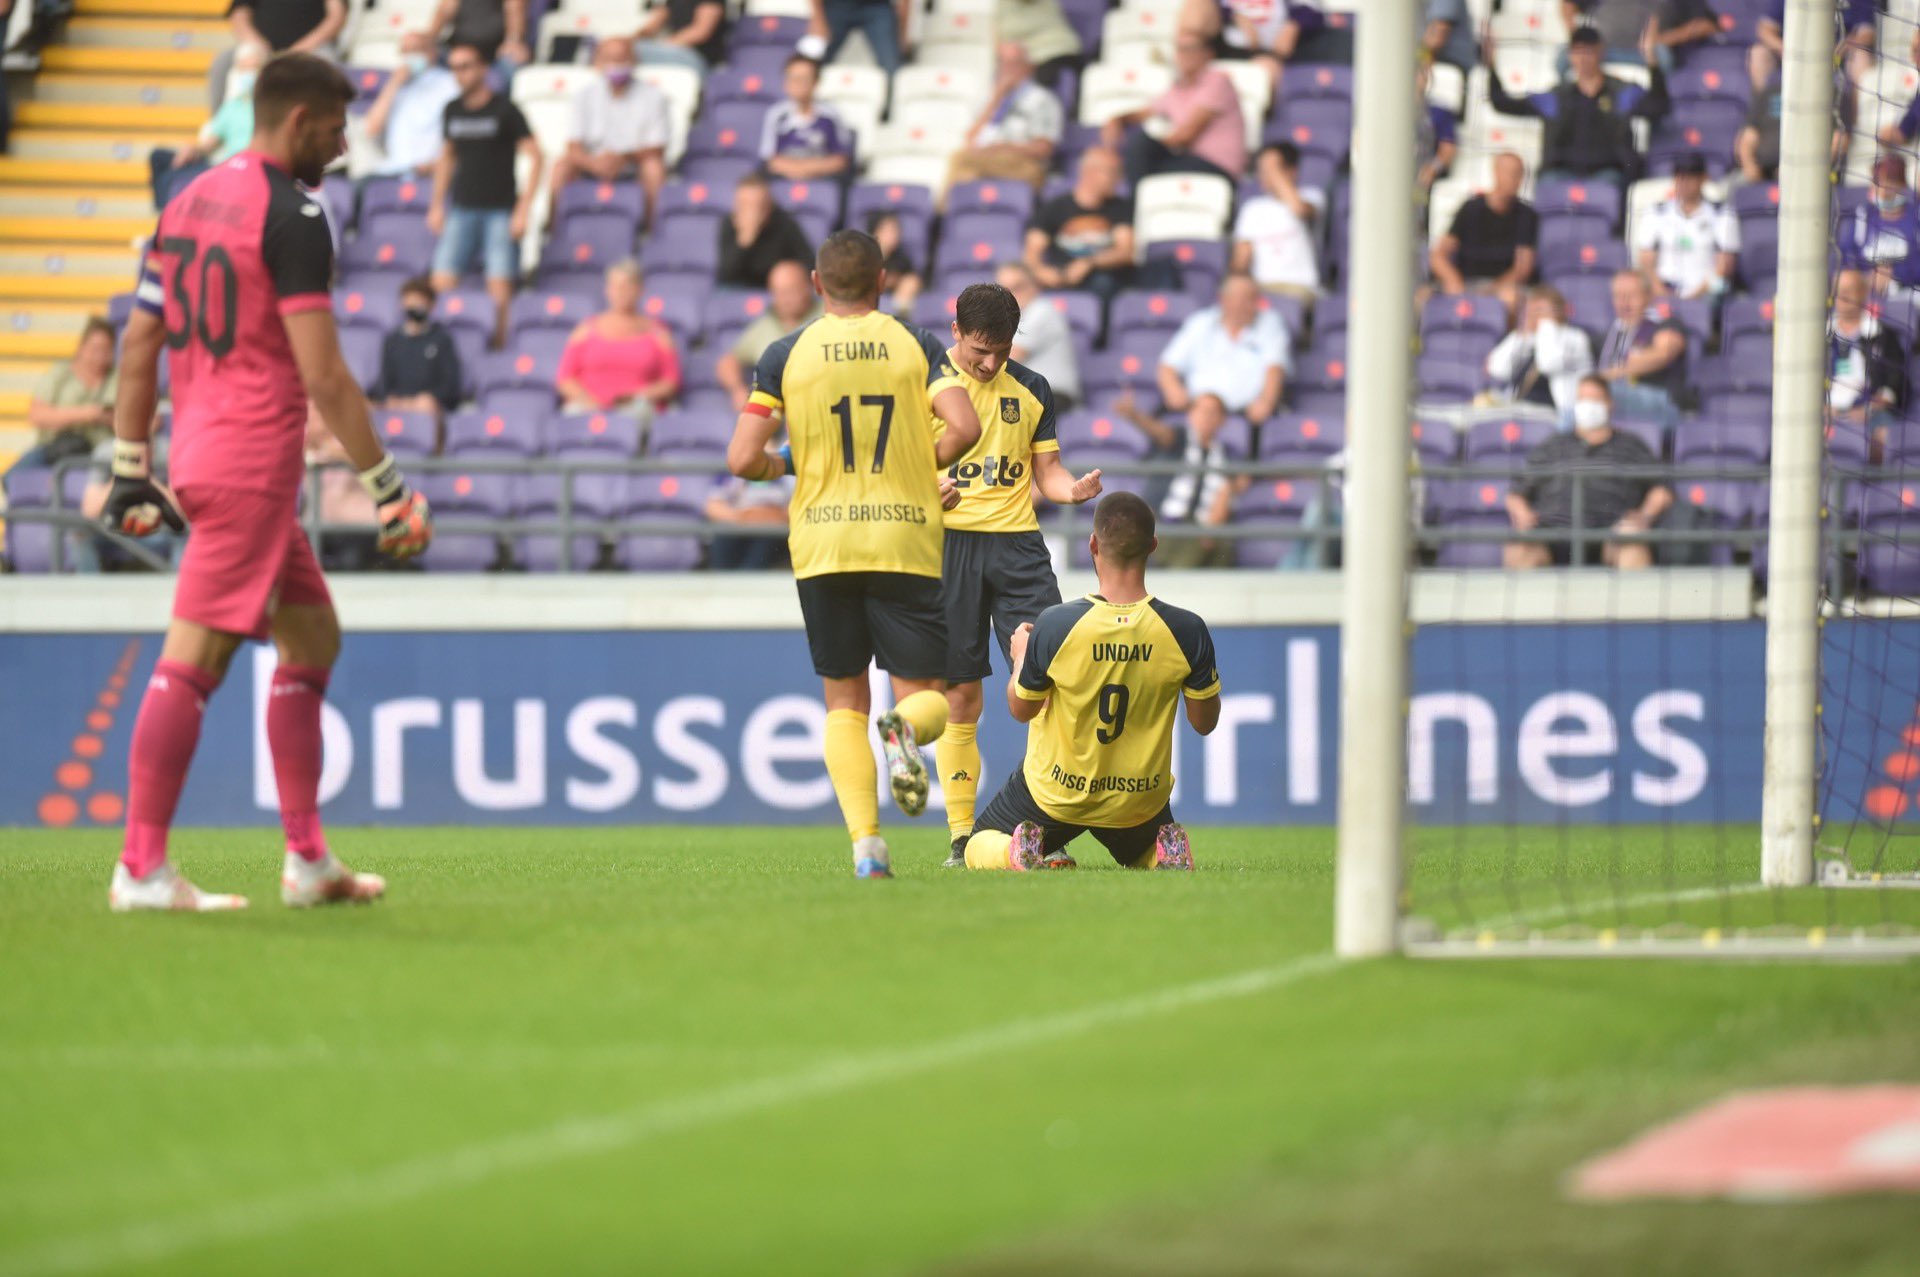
x,y
1194,127
620,360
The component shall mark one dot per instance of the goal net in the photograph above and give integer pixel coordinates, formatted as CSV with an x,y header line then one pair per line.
x,y
1702,736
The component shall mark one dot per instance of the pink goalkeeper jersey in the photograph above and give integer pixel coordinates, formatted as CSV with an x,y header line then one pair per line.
x,y
235,251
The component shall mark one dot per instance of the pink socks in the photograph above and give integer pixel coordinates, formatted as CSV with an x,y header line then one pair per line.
x,y
164,737
293,734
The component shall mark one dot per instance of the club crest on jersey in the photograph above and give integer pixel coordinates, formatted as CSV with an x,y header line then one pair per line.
x,y
1010,411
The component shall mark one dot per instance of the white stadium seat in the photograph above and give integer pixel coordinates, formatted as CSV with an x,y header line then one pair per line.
x,y
1108,90
1181,206
1145,26
965,22
548,82
846,86
1254,87
959,91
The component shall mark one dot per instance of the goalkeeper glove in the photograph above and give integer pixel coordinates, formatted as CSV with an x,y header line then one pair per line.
x,y
406,523
136,505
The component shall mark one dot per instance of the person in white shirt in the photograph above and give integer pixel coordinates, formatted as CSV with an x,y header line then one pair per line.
x,y
408,114
1273,237
619,129
1014,137
1044,340
1231,358
1688,245
1542,361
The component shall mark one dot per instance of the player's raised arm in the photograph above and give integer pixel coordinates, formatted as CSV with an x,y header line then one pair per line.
x,y
951,403
1029,685
747,452
136,505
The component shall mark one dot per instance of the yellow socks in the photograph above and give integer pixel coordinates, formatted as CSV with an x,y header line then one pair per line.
x,y
957,755
856,779
989,849
926,712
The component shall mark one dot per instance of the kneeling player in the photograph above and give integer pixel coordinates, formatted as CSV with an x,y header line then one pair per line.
x,y
997,574
1099,679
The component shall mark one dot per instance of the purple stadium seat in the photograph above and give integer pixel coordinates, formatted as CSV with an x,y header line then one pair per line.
x,y
990,196
727,312
768,32
361,346
1201,263
531,363
933,310
678,309
1717,375
1275,503
1756,200
367,83
1732,440
1889,524
1695,314
1558,196
710,400
511,421
1471,312
977,241
609,433
598,494
688,243
1848,445
601,197
1082,312
585,245
1589,301
1579,226
733,84
727,131
1323,365
395,195
913,204
1318,126
560,309
360,308
1088,434
1335,82
119,307
1086,18
1595,256
1136,312
1327,405
1759,253
705,198
1434,442
1727,500
689,434
1109,372
1707,126
1235,438
1473,504
814,199
465,308
1700,81
1497,442
1444,380
477,494
1291,434
395,241
407,434
1739,405
1468,348
659,496
461,552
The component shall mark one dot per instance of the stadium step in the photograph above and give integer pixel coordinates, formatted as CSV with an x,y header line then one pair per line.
x,y
18,173
129,90
75,202
71,231
64,318
128,61
154,8
115,117
22,278
76,144
120,34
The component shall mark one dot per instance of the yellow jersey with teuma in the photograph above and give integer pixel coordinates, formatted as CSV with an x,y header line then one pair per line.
x,y
995,478
857,391
1101,751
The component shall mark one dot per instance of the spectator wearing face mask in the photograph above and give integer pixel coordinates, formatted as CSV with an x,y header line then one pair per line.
x,y
419,364
1866,367
225,135
1880,236
1592,457
619,129
407,114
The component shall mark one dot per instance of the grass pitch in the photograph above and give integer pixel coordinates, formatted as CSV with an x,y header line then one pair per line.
x,y
712,1051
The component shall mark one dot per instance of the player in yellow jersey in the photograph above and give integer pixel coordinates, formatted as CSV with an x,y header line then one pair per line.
x,y
1098,681
860,390
997,571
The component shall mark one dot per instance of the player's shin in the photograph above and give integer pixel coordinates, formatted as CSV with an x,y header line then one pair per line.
x,y
850,765
926,712
165,734
294,737
957,754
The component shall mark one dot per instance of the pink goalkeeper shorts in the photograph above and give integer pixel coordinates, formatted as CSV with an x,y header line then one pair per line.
x,y
246,555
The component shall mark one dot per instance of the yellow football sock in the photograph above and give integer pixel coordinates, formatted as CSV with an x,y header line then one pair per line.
x,y
990,849
926,712
856,779
957,755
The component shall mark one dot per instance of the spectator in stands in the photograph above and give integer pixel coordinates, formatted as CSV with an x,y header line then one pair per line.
x,y
1866,364
1449,35
738,501
71,408
619,127
497,29
352,545
1044,340
1757,145
1436,137
1014,137
802,139
408,115
1229,359
1490,246
1590,456
1194,127
1859,18
1589,117
883,22
419,364
1901,132
1275,232
1677,27
791,304
479,210
757,236
1643,358
1271,32
900,281
620,360
1040,27
1543,359
688,33
228,133
297,26
1084,238
1688,245
1880,235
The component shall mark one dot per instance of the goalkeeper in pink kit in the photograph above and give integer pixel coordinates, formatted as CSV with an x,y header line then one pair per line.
x,y
234,287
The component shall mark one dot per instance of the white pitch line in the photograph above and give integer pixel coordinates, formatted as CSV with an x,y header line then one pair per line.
x,y
1602,904
160,1239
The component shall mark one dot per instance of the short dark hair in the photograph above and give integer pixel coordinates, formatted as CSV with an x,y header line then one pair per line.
x,y
1595,379
289,80
1124,525
848,264
987,311
1289,153
97,326
797,59
422,286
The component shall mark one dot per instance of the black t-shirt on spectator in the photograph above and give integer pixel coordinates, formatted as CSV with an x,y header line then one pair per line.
x,y
1489,240
484,139
282,23
1074,232
748,265
422,363
1548,483
482,24
680,15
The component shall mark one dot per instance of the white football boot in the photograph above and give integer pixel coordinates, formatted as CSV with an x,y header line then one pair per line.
x,y
306,883
164,889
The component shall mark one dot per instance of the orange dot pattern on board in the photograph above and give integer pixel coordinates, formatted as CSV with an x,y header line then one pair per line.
x,y
99,720
76,773
1885,803
58,810
73,775
1903,766
88,745
105,808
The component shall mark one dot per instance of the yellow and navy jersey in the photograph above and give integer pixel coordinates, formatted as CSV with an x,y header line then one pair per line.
x,y
995,478
1101,751
857,391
